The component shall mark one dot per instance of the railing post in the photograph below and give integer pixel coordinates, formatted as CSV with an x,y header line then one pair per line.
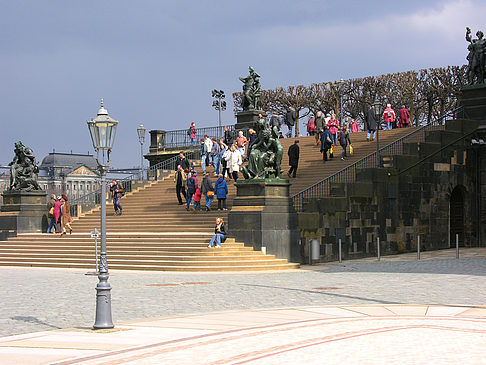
x,y
378,247
340,252
457,245
418,247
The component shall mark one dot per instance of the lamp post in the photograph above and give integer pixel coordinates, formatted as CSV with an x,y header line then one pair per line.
x,y
377,110
141,138
102,130
219,104
341,91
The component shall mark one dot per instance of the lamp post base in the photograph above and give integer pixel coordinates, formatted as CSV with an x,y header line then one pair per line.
x,y
103,303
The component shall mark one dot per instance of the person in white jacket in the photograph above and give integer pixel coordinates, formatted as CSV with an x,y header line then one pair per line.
x,y
235,162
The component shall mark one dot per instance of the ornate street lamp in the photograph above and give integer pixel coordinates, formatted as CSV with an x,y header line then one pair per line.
x,y
103,131
219,104
377,111
141,138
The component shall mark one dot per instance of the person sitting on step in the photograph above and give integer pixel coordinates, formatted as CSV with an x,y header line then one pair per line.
x,y
219,233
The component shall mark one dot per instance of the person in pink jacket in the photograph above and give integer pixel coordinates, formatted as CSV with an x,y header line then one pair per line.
x,y
354,126
333,125
389,116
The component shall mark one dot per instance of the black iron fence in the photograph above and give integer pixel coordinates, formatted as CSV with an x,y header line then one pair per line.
x,y
182,137
348,174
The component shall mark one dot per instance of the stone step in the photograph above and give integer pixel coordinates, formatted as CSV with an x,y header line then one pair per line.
x,y
209,268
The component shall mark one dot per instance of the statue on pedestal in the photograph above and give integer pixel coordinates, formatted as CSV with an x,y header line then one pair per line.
x,y
252,91
476,69
23,170
264,155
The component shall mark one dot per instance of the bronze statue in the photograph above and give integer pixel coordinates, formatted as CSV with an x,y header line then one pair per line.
x,y
23,170
252,92
476,69
264,155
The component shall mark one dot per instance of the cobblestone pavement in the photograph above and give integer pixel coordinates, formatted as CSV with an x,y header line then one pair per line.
x,y
42,299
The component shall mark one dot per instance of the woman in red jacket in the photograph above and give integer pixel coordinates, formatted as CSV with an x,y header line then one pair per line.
x,y
333,126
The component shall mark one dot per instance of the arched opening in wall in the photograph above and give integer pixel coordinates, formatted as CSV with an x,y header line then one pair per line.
x,y
456,215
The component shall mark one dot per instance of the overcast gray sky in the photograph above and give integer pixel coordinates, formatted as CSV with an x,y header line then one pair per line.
x,y
155,62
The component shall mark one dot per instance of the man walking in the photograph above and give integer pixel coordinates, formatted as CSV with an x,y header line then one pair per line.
x,y
182,161
290,120
180,180
50,213
293,153
241,143
371,125
117,192
403,117
389,116
319,127
203,153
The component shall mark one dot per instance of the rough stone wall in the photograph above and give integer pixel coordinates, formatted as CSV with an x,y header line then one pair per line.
x,y
398,208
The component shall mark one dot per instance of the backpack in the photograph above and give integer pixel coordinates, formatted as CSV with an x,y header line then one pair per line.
x,y
189,132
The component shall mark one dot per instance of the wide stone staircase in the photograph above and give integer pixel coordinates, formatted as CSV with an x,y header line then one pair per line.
x,y
155,233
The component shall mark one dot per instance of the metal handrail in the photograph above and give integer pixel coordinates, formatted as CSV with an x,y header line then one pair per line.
x,y
348,174
180,137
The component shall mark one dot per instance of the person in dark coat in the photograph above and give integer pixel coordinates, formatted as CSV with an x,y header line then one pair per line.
x,y
344,140
371,125
293,153
219,233
326,142
207,187
180,180
182,161
290,120
275,121
191,188
221,191
228,137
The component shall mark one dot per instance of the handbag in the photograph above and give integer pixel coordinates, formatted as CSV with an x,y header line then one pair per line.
x,y
328,140
51,211
210,194
351,150
331,152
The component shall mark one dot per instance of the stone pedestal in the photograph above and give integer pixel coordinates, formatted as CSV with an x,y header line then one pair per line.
x,y
473,99
23,212
263,215
247,119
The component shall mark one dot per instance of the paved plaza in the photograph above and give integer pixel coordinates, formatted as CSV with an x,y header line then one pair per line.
x,y
438,298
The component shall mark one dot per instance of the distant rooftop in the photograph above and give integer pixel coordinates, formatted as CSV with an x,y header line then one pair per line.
x,y
68,160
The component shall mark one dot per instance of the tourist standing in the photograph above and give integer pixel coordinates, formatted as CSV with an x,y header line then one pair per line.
x,y
354,126
290,120
319,126
326,142
343,141
403,118
293,153
180,180
311,126
241,143
235,162
208,191
66,218
192,133
219,233
225,158
389,116
50,213
371,125
221,190
117,193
